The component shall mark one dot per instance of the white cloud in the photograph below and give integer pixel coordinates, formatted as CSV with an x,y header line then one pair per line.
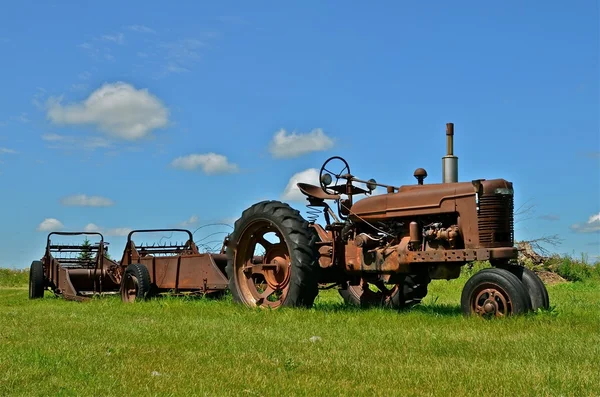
x,y
191,221
211,163
115,232
7,150
118,109
291,192
50,225
173,68
284,145
591,226
140,29
90,227
82,200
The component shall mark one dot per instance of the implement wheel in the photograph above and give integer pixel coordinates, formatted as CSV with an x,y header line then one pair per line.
x,y
135,283
285,273
404,295
494,292
36,280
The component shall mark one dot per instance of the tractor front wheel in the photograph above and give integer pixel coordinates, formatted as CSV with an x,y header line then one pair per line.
x,y
494,292
272,258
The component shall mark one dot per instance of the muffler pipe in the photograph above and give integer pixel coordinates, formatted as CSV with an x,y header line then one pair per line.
x,y
450,161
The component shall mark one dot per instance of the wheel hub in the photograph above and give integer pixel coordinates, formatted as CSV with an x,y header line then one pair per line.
x,y
277,277
490,306
490,301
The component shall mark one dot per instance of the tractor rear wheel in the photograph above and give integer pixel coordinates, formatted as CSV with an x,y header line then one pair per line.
x,y
494,292
533,284
36,280
135,284
286,274
404,295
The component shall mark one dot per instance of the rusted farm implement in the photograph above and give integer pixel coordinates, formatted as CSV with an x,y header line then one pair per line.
x,y
148,270
74,271
385,249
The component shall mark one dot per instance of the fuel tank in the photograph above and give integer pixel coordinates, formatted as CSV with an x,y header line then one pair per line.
x,y
424,199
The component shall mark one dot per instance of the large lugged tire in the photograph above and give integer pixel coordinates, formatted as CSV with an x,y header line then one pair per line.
x,y
533,284
403,295
36,280
494,292
287,274
135,284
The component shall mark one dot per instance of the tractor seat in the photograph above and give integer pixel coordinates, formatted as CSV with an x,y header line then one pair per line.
x,y
316,192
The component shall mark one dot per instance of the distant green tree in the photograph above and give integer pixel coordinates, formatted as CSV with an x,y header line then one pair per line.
x,y
86,252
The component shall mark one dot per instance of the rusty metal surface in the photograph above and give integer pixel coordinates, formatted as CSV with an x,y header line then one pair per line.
x,y
176,266
72,278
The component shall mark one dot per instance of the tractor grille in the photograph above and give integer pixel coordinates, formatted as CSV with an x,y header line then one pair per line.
x,y
496,220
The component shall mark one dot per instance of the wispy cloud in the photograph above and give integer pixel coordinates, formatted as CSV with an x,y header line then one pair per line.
x,y
83,200
96,53
118,38
290,145
141,29
113,232
192,220
7,150
591,226
593,155
210,163
84,75
173,68
22,118
232,19
57,141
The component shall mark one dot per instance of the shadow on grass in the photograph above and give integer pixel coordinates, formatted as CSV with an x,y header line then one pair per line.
x,y
430,309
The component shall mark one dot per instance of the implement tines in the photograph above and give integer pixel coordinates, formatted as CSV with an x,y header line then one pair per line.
x,y
166,249
74,256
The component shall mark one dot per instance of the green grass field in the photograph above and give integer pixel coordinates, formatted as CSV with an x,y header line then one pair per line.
x,y
185,346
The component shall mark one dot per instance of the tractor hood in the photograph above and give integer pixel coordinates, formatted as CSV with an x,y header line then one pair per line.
x,y
422,199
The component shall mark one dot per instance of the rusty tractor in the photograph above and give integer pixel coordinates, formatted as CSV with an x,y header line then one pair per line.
x,y
73,271
149,270
386,248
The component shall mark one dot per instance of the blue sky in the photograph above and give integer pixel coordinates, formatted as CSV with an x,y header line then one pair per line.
x,y
121,115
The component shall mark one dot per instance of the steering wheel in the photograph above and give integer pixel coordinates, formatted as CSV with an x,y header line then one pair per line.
x,y
326,176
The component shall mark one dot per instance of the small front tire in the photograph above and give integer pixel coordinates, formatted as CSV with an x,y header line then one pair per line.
x,y
135,284
494,292
36,280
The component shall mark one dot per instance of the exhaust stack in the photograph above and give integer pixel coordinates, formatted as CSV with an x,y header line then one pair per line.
x,y
450,161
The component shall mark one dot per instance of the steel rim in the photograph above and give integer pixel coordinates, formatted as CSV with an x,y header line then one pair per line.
x,y
491,300
130,288
267,283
